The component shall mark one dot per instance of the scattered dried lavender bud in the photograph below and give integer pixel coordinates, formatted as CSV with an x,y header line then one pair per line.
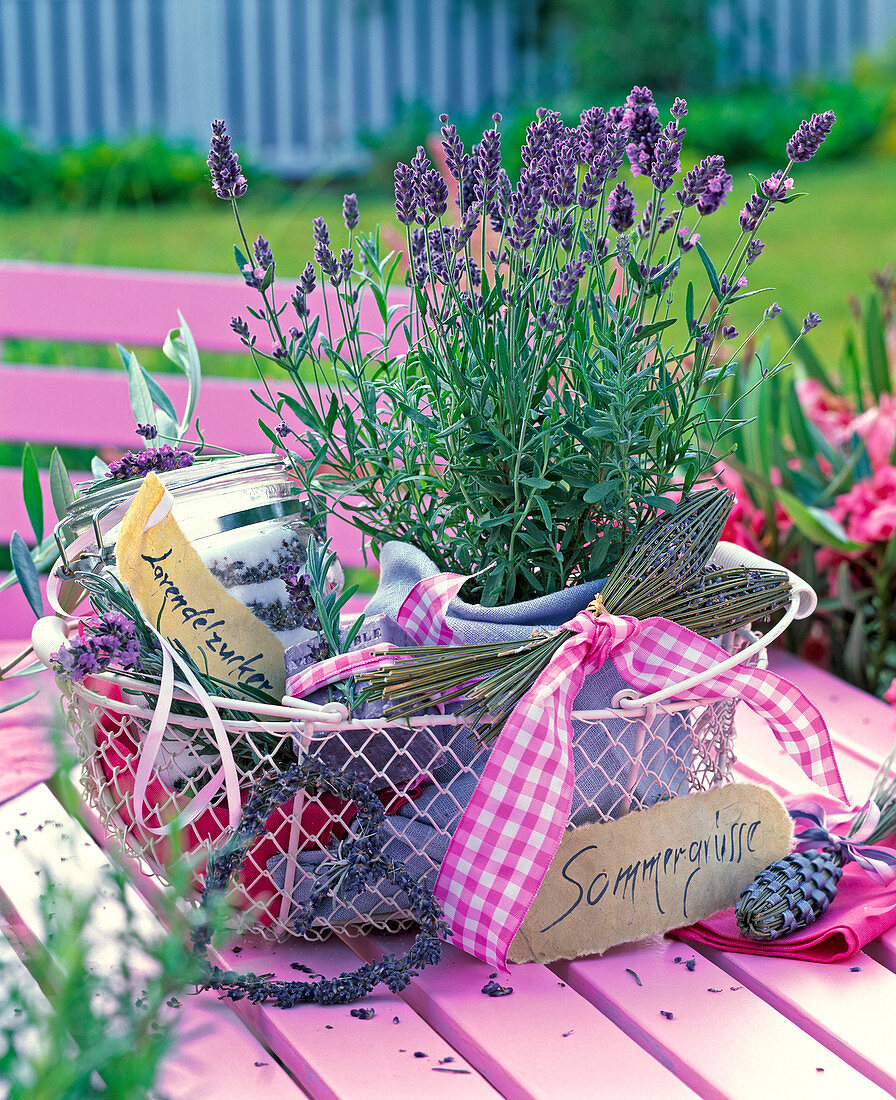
x,y
237,950
261,1063
690,965
666,1015
492,989
420,1054
711,990
449,1058
678,958
628,970
854,969
395,1020
566,1034
363,1013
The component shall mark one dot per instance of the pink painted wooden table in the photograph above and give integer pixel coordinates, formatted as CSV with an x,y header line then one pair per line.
x,y
740,1026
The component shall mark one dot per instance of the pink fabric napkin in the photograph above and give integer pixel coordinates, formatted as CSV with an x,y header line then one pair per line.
x,y
861,911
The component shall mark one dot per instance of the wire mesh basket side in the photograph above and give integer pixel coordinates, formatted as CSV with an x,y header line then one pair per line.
x,y
424,778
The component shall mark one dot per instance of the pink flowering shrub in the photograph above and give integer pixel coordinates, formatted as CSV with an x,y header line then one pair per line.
x,y
824,501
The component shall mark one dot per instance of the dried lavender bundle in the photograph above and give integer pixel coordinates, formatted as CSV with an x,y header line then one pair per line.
x,y
663,573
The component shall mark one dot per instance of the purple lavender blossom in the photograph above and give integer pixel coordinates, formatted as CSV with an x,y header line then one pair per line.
x,y
524,208
613,153
774,310
623,249
240,327
560,163
811,320
323,253
468,225
405,194
592,133
107,638
499,207
810,136
435,194
679,108
298,589
592,182
729,332
300,302
621,208
488,164
228,180
667,157
350,214
687,239
139,464
641,119
728,287
753,211
457,161
346,266
148,431
705,185
643,229
704,335
776,186
264,256
753,250
308,279
284,430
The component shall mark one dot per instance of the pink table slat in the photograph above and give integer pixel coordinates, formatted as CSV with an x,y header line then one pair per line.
x,y
563,1049
334,1054
723,1044
136,307
215,1057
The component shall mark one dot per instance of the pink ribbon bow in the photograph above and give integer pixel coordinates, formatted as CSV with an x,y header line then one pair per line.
x,y
509,832
878,862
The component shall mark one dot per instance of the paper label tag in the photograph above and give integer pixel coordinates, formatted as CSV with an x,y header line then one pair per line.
x,y
185,603
677,862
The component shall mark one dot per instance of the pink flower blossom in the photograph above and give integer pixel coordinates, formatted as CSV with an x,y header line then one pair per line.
x,y
890,693
868,510
832,414
877,427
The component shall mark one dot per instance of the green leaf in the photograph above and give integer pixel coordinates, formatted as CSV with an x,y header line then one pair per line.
x,y
816,524
599,492
31,491
18,702
180,348
26,572
689,307
876,348
710,270
98,468
792,198
268,278
61,490
138,389
241,260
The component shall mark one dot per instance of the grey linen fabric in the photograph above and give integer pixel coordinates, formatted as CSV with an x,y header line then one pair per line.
x,y
419,833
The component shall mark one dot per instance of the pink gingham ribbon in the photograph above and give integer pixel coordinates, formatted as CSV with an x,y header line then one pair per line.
x,y
880,863
510,830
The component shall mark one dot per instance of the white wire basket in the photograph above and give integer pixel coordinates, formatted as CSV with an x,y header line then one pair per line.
x,y
627,757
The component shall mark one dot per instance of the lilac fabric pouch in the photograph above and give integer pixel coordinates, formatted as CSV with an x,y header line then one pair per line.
x,y
608,781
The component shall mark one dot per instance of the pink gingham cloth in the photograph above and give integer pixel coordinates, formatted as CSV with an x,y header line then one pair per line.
x,y
511,828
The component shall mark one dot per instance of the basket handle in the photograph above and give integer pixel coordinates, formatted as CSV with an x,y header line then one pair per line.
x,y
728,555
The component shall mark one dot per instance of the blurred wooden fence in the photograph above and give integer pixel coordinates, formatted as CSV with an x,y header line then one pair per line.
x,y
774,41
299,80
296,80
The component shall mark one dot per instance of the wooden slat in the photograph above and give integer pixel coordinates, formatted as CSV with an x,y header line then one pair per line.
x,y
137,307
723,1044
543,1040
303,1038
215,1057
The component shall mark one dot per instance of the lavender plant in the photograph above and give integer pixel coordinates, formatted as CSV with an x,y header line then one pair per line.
x,y
554,396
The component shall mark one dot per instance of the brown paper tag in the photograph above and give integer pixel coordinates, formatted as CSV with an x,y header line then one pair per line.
x,y
185,603
675,863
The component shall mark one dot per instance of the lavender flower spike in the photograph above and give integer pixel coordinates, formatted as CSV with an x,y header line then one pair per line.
x,y
405,194
621,208
227,176
350,213
809,136
811,321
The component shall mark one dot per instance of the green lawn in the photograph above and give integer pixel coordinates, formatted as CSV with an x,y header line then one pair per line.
x,y
819,251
